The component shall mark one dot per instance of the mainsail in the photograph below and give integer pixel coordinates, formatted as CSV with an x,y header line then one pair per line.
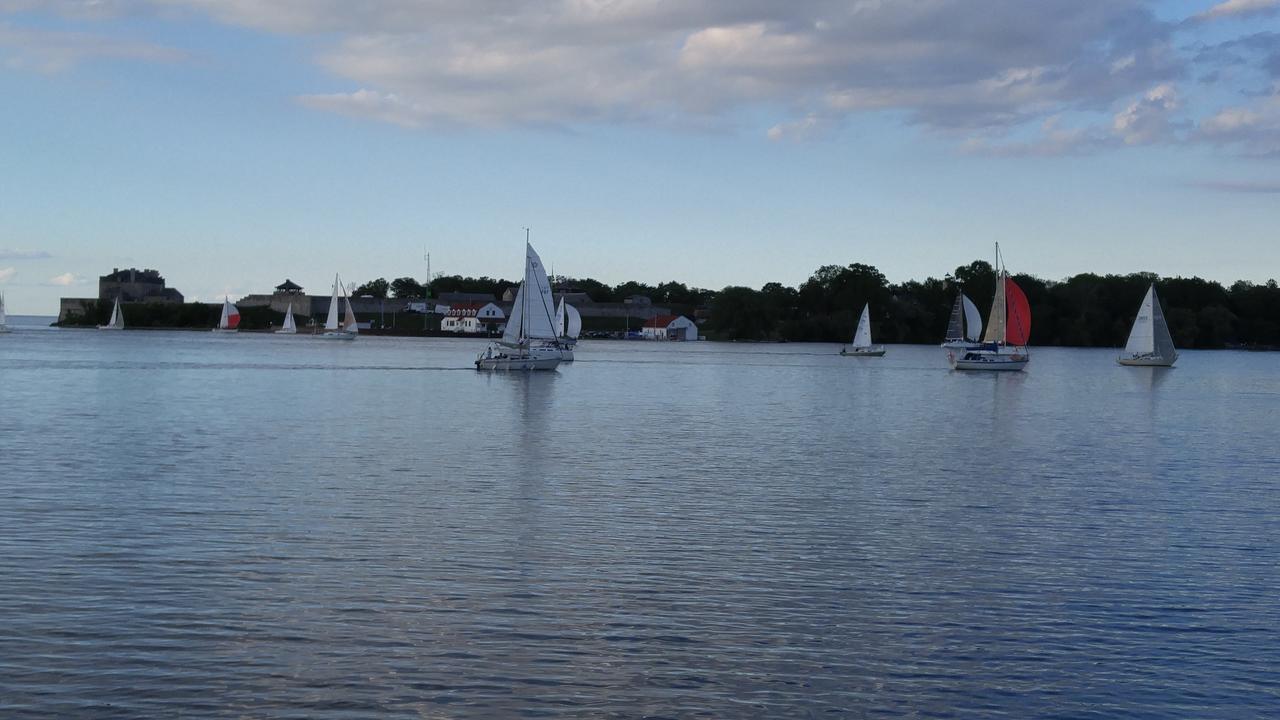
x,y
331,322
533,317
1142,336
289,325
862,337
117,317
1160,329
955,326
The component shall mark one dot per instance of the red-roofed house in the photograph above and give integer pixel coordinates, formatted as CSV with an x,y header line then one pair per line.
x,y
473,318
669,327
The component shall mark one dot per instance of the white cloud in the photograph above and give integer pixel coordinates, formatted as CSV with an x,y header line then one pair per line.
x,y
1146,120
55,51
1250,130
1239,8
6,274
65,280
12,254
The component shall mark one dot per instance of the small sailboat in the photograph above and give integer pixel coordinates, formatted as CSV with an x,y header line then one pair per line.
x,y
4,319
229,321
289,327
569,323
348,329
964,329
1150,344
117,318
862,346
1004,346
531,338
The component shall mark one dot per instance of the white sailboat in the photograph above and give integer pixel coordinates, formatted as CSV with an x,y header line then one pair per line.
x,y
569,324
117,318
1150,344
1004,346
531,338
4,319
964,329
229,321
862,346
347,329
289,327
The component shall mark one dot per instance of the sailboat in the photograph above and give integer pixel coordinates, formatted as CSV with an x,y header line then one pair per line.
x,y
964,330
117,318
289,327
862,346
1004,346
531,339
1150,344
569,324
229,321
4,320
348,329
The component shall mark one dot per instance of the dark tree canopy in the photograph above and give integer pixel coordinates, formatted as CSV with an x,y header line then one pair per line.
x,y
376,288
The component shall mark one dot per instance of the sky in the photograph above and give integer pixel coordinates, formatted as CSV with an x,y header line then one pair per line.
x,y
230,144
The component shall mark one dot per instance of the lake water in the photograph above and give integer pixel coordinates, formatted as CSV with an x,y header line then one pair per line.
x,y
262,526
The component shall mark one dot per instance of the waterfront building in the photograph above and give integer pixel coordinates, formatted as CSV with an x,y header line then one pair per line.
x,y
473,318
669,327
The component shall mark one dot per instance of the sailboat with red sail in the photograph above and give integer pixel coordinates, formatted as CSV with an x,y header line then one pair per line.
x,y
1004,346
229,321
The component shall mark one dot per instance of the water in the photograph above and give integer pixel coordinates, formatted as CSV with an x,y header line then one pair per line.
x,y
261,526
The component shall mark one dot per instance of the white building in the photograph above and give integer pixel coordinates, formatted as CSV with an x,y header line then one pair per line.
x,y
669,327
473,318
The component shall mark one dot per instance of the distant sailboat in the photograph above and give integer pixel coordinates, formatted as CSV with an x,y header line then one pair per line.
x,y
229,321
1150,343
964,330
530,341
348,329
1004,347
117,318
862,346
569,324
4,319
289,327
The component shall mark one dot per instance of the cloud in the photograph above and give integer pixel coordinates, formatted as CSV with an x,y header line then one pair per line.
x,y
503,63
1147,119
1252,129
1264,187
6,274
54,51
1239,9
65,280
11,254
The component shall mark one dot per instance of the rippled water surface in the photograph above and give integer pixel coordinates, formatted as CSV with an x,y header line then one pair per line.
x,y
261,526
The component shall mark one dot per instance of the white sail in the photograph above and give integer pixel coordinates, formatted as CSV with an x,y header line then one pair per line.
x,y
560,318
4,320
349,320
972,319
996,321
290,326
862,338
1160,330
226,313
574,322
331,322
1142,335
117,317
533,315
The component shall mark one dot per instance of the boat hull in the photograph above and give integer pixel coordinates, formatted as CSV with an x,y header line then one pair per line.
x,y
338,336
517,364
109,327
566,354
1147,361
992,364
225,331
873,351
286,332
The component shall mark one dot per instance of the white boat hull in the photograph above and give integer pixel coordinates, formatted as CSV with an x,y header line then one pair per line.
x,y
566,354
224,331
109,327
503,363
286,332
1146,361
873,351
991,362
339,335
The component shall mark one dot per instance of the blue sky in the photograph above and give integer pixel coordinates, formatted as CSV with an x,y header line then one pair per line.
x,y
232,143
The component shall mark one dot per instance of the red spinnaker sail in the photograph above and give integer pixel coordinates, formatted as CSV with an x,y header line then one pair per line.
x,y
1017,330
233,318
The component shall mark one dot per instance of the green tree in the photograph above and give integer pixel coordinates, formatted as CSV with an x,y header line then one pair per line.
x,y
407,287
375,288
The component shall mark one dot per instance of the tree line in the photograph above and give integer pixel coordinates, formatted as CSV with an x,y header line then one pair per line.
x,y
1086,310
